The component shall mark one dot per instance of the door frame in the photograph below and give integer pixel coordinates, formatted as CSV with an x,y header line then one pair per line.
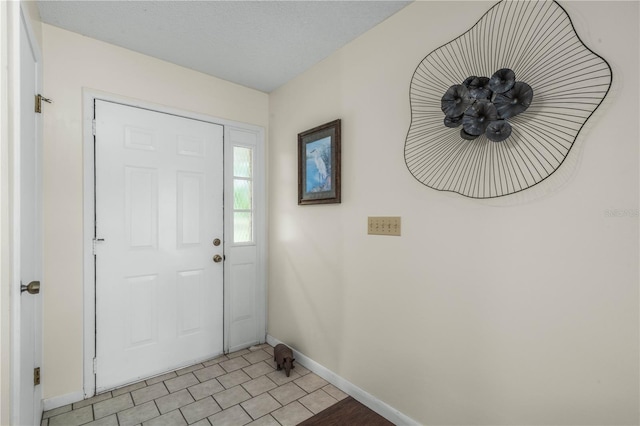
x,y
89,96
17,15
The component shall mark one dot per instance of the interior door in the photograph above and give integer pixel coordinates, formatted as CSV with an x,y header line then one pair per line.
x,y
159,239
29,232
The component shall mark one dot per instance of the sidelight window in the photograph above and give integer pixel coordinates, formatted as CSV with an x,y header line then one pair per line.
x,y
243,207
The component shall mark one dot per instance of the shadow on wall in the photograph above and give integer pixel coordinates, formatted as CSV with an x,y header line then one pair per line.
x,y
305,305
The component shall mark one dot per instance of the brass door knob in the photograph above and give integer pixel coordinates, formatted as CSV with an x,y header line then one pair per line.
x,y
217,258
32,288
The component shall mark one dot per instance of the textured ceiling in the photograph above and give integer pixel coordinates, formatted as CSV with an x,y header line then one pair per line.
x,y
257,44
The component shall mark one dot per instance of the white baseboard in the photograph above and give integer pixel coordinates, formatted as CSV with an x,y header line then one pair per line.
x,y
380,407
62,400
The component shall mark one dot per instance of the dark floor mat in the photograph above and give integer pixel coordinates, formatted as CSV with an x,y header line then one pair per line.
x,y
347,412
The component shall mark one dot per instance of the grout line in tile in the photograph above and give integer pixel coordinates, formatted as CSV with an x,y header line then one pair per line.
x,y
157,408
179,409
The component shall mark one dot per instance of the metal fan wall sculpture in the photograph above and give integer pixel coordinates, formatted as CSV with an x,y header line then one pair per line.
x,y
497,110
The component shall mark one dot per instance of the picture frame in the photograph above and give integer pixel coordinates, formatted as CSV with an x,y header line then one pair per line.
x,y
319,163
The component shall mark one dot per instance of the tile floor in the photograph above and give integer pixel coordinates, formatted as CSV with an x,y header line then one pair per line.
x,y
242,388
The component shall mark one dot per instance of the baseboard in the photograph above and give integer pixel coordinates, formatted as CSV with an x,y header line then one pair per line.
x,y
62,400
380,407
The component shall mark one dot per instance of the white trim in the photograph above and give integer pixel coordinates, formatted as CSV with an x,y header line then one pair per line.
x,y
62,400
380,407
89,308
13,18
5,227
17,15
88,98
260,230
13,24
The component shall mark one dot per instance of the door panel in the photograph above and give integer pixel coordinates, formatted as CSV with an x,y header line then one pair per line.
x,y
159,302
141,207
30,239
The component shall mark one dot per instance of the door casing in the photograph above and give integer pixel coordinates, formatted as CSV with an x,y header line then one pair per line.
x,y
89,96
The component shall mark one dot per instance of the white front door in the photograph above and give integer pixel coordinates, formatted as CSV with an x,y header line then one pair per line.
x,y
29,231
159,210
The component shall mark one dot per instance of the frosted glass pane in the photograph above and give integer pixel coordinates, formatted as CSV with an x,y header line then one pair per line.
x,y
241,194
242,227
242,162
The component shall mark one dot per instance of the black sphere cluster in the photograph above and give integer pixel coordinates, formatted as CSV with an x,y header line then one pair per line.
x,y
483,105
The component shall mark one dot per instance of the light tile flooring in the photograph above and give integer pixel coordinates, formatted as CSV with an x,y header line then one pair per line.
x,y
242,388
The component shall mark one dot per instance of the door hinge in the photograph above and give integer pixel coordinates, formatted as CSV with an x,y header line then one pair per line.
x,y
93,127
95,365
36,376
39,99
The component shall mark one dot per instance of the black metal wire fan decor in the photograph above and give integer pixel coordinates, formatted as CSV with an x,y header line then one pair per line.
x,y
497,110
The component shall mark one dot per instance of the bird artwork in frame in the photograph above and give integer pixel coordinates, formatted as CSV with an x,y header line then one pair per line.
x,y
319,164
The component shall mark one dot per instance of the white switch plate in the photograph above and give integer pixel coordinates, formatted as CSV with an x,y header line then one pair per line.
x,y
384,225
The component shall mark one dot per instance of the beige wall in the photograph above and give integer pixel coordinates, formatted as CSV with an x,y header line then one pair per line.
x,y
73,62
516,312
34,19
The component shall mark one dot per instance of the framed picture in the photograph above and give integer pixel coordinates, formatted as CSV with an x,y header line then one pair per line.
x,y
319,164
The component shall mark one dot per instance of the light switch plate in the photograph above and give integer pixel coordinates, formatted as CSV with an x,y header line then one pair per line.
x,y
384,225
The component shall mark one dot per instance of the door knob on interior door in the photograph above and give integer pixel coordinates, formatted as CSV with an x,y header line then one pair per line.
x,y
32,288
217,258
